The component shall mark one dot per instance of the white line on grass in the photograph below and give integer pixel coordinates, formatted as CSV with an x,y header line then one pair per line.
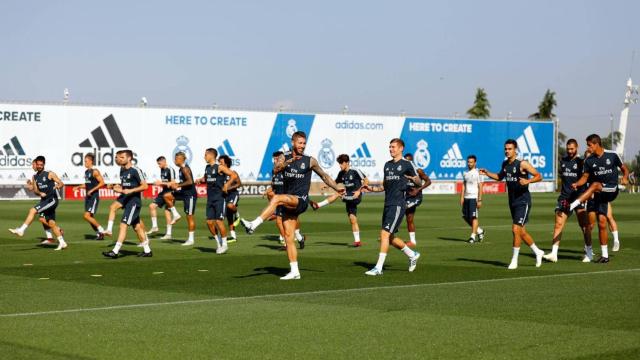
x,y
306,293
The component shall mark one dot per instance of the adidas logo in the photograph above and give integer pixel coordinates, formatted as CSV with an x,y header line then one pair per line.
x,y
12,154
99,140
226,149
528,147
453,158
362,157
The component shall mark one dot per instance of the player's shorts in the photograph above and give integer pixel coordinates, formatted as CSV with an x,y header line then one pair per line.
x,y
122,198
279,211
91,203
303,204
470,209
601,200
412,204
216,209
47,208
232,198
352,205
131,213
392,218
564,200
159,200
520,213
189,201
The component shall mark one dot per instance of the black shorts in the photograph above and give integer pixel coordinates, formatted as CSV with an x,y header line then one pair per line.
x,y
352,206
232,198
470,209
601,200
392,218
131,214
303,204
91,203
121,199
189,201
159,200
520,213
412,204
564,200
279,211
216,209
47,208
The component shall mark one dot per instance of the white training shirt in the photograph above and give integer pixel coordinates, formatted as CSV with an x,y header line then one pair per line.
x,y
471,181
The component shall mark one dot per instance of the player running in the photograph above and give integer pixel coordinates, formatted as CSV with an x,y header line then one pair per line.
x,y
167,176
297,168
132,184
471,199
93,182
601,171
45,184
516,174
571,167
48,240
231,197
396,173
184,191
353,180
215,175
414,199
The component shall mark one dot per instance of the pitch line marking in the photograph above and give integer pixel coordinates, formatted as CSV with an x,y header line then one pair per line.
x,y
318,292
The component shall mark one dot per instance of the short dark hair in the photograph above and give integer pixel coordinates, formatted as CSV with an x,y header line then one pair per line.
x,y
212,151
226,159
160,158
298,134
408,154
512,142
277,153
181,154
342,158
129,153
397,141
572,141
594,139
472,157
90,156
40,158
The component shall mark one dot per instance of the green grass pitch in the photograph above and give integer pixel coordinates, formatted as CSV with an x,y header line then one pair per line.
x,y
189,303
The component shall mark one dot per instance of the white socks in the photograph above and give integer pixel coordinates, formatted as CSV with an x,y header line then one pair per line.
x,y
61,240
605,251
169,227
412,237
23,227
322,203
223,241
381,258
294,267
255,223
615,236
516,252
154,222
110,226
174,212
473,236
407,251
356,236
588,250
117,247
191,236
298,235
535,249
554,248
145,247
48,234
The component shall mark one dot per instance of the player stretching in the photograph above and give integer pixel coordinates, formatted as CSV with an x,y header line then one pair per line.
x,y
297,169
214,176
396,172
167,176
414,199
93,182
277,188
232,197
471,199
184,191
516,173
131,186
353,180
601,170
45,184
571,167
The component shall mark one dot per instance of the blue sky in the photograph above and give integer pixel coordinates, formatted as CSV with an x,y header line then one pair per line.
x,y
377,57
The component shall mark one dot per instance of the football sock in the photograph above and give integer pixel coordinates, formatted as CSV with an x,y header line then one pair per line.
x,y
191,236
516,252
412,237
255,223
154,222
381,258
298,235
605,251
100,229
110,226
356,236
322,203
116,247
169,227
554,248
615,235
407,251
294,267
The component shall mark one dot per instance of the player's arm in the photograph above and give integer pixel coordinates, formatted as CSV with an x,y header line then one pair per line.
x,y
188,179
495,176
56,179
324,176
31,185
281,163
464,189
372,188
234,180
98,176
625,173
536,177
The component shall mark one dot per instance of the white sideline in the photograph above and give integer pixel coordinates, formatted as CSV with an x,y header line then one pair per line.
x,y
319,292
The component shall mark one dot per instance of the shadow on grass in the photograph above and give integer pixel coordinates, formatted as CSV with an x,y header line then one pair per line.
x,y
341,244
452,239
486,262
272,247
205,250
267,270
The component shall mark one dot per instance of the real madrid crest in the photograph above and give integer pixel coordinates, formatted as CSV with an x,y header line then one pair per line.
x,y
182,146
422,157
326,155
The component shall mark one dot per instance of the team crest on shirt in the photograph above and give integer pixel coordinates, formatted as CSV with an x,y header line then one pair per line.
x,y
575,166
326,154
514,169
302,166
608,162
422,157
399,167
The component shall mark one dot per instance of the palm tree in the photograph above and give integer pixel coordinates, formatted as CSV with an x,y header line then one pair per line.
x,y
545,109
481,106
609,142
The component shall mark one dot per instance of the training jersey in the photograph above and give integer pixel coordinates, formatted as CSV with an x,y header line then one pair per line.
x,y
45,185
604,169
512,175
90,181
571,170
277,182
395,182
167,175
352,180
188,190
215,182
471,180
227,178
297,175
410,185
131,178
